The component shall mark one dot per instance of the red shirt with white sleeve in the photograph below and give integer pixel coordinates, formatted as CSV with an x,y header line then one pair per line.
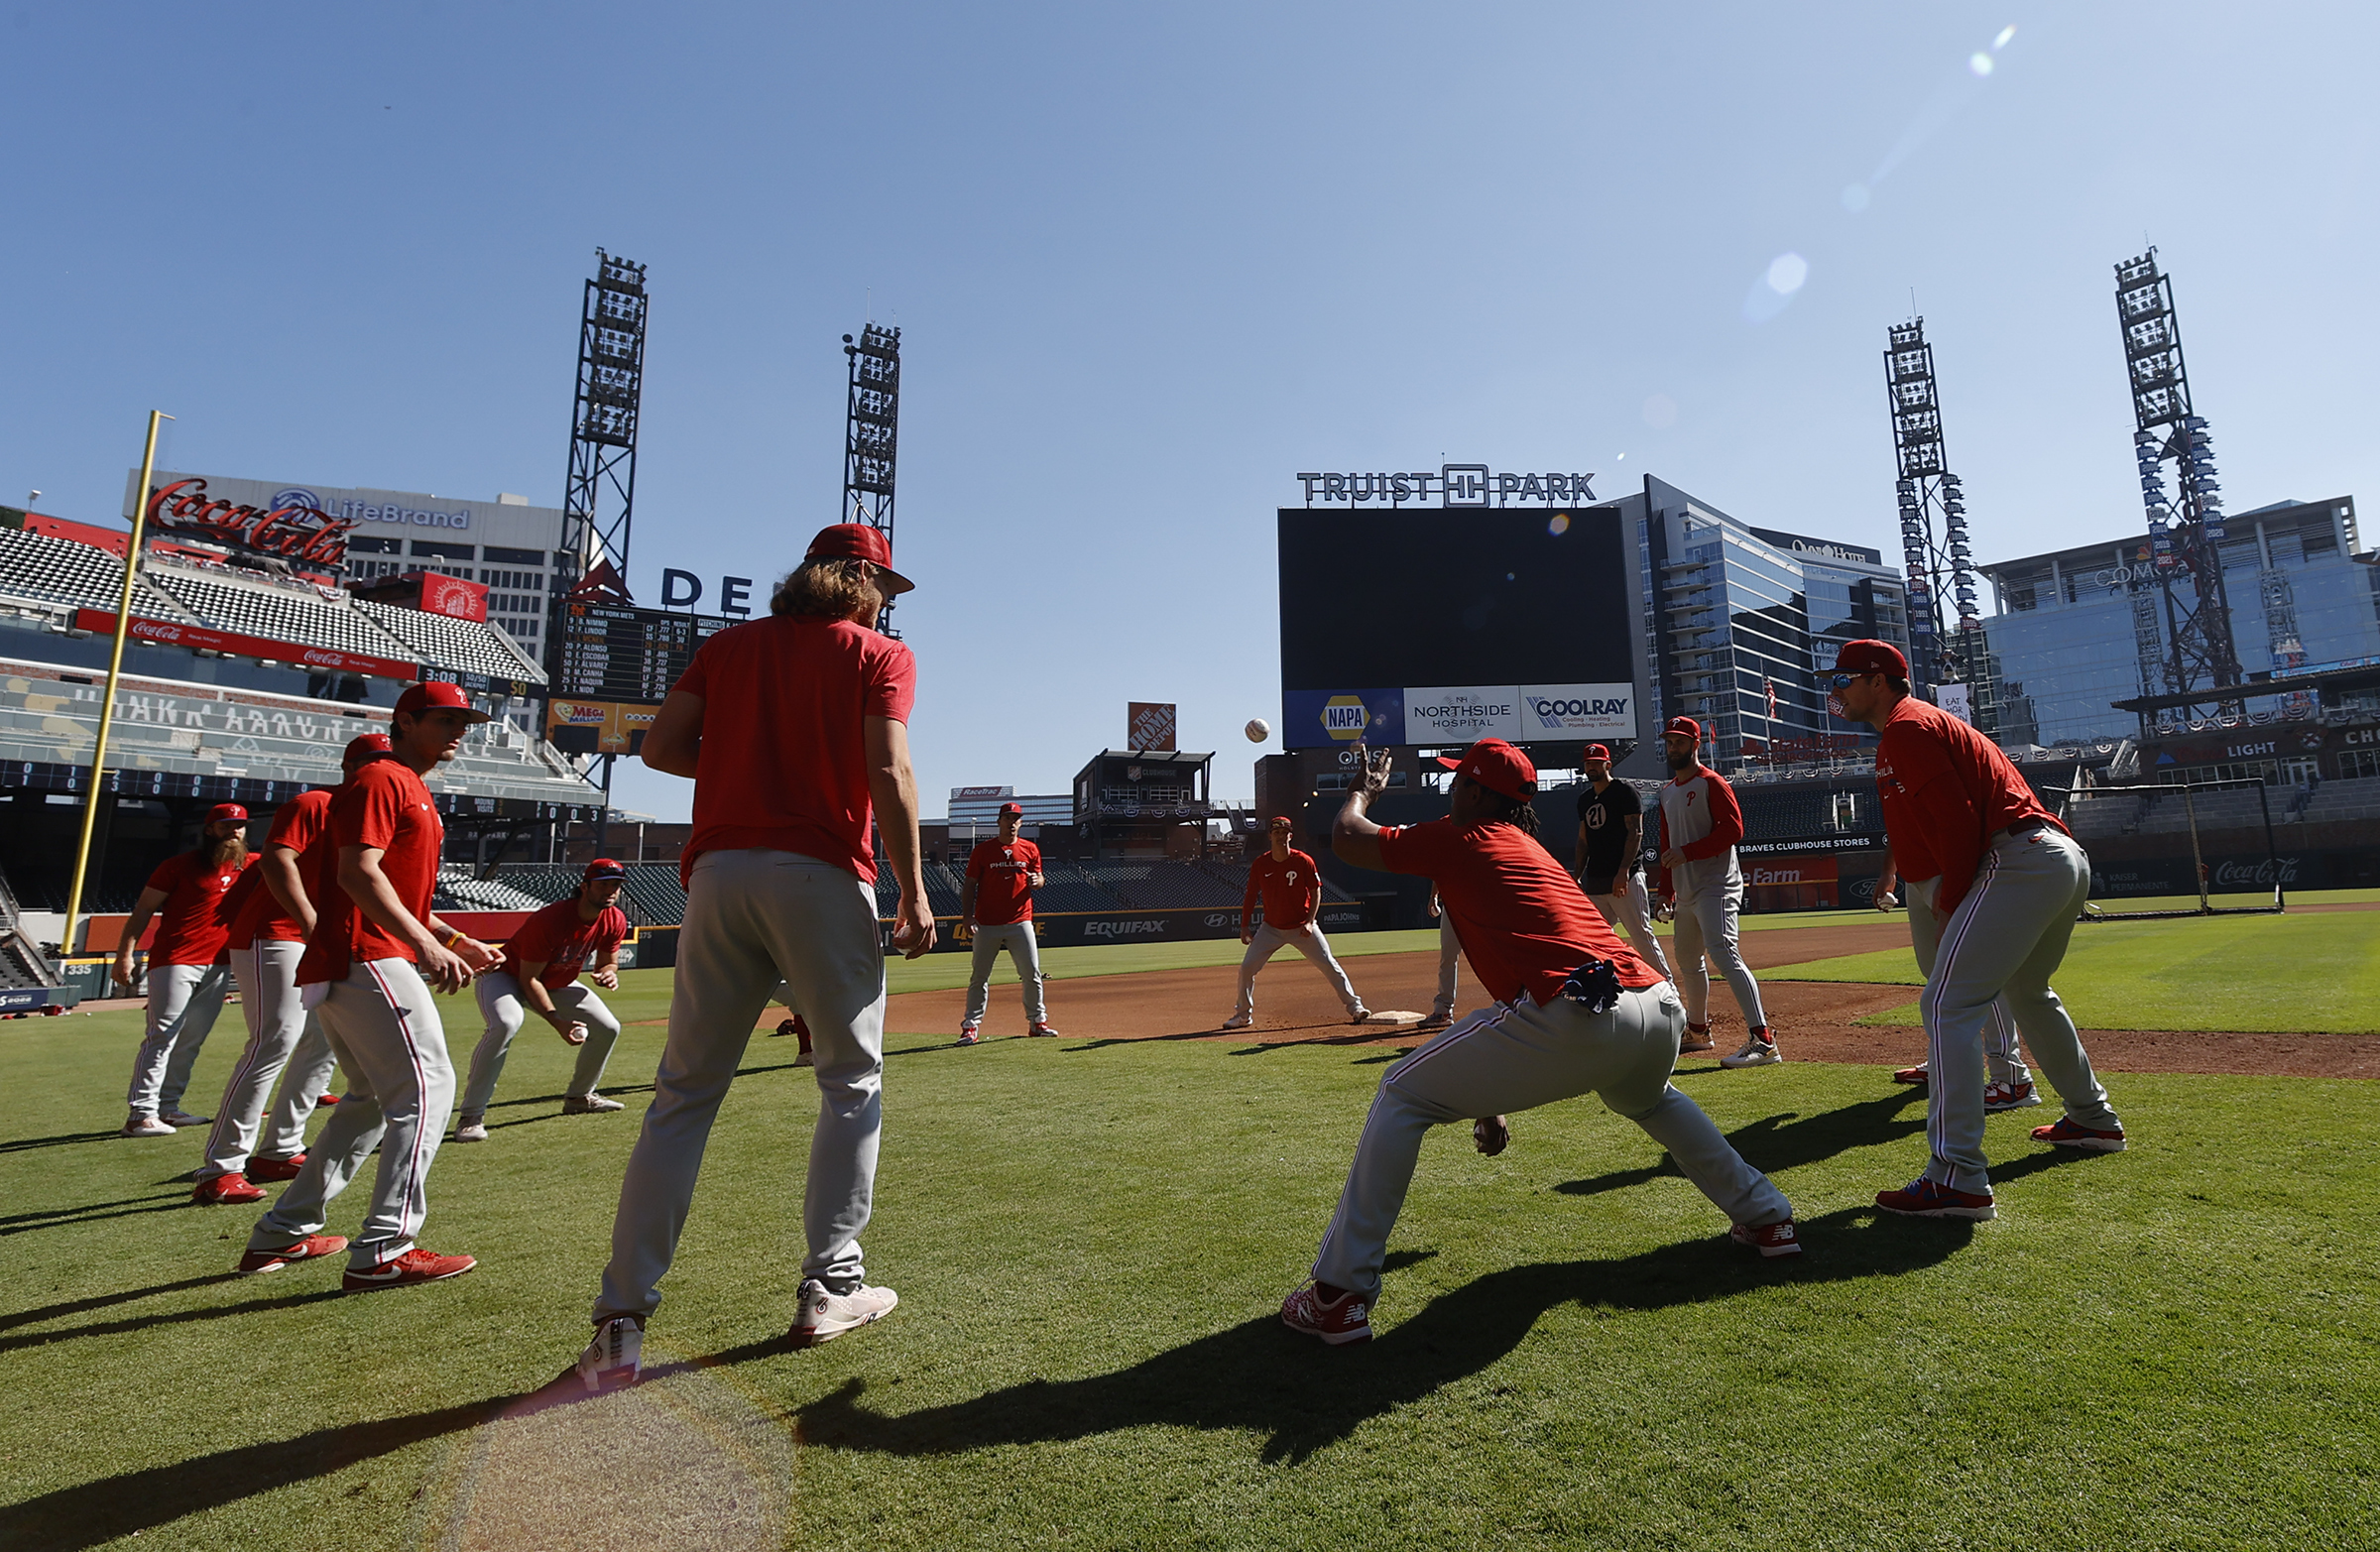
x,y
387,808
1521,919
296,824
1699,818
1004,887
1291,888
190,927
559,937
1945,788
783,764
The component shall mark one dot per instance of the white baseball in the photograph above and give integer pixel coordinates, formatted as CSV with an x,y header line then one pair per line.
x,y
1257,730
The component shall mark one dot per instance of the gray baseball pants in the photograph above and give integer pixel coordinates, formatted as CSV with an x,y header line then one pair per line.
x,y
500,1006
1024,950
183,1003
1631,908
754,918
2005,940
384,1027
1705,928
1308,940
1450,949
2003,1056
1515,1059
283,1042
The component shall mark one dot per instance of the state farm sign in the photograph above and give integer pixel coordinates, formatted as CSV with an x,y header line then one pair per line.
x,y
292,532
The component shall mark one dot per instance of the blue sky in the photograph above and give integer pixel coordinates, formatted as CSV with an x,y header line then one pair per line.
x,y
1151,262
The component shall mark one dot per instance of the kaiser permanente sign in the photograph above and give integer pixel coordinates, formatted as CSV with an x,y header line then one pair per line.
x,y
1459,714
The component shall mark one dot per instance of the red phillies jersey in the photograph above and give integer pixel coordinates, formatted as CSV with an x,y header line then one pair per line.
x,y
1522,920
557,936
1945,788
1289,887
296,824
190,926
1003,891
385,806
783,767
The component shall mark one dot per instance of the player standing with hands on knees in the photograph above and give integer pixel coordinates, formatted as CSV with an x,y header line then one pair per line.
x,y
1994,884
1701,824
187,970
1291,888
1610,860
794,728
374,958
2010,1086
996,912
1577,1013
539,975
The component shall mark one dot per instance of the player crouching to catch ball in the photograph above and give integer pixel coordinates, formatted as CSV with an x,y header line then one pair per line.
x,y
996,912
1994,884
1577,1013
539,975
796,730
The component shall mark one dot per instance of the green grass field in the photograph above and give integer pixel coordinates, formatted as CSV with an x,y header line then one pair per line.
x,y
2288,974
2166,1348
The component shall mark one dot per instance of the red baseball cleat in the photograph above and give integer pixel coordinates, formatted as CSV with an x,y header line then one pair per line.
x,y
1043,1029
1916,1074
1923,1198
324,1102
1770,1240
2067,1135
312,1248
1344,1319
230,1190
414,1265
275,1168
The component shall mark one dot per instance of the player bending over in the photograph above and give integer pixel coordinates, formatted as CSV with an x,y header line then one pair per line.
x,y
1577,1013
996,912
1700,881
539,975
187,970
2000,883
2010,1081
1291,888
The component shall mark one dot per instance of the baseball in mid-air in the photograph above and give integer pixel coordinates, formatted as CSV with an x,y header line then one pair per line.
x,y
1257,730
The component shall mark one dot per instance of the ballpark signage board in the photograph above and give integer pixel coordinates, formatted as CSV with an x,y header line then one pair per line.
x,y
172,633
1453,485
379,512
1459,714
453,597
292,528
1149,724
597,727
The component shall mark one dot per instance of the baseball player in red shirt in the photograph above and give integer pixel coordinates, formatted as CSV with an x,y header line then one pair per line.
x,y
187,972
539,975
794,728
996,912
371,963
1994,886
1291,888
1577,1013
1701,824
268,938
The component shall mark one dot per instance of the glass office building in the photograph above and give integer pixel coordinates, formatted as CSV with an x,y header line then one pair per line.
x,y
2082,628
1730,610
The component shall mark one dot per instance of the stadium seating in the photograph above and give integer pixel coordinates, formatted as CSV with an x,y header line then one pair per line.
x,y
463,645
45,568
281,614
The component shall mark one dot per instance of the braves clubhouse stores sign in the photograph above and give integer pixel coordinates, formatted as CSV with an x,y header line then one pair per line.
x,y
1452,485
173,633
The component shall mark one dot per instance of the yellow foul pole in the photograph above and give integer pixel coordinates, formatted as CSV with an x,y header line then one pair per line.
x,y
115,668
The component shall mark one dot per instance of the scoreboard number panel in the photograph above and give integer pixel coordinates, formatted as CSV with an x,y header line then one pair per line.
x,y
626,655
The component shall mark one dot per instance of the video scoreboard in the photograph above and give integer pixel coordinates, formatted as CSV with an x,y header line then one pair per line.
x,y
626,655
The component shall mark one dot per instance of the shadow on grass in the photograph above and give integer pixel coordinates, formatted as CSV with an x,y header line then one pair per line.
x,y
72,1217
64,1138
1788,1139
183,1317
1259,1376
35,1316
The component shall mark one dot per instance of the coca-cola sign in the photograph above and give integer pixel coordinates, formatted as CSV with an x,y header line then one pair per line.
x,y
173,632
293,531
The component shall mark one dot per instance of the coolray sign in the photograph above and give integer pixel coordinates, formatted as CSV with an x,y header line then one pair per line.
x,y
1459,714
1585,711
173,633
1452,485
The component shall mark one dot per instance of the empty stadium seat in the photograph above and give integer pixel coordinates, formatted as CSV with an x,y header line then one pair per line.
x,y
281,614
463,645
53,571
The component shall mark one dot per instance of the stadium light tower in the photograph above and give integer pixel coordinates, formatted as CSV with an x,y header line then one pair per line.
x,y
2197,651
601,499
1934,550
872,435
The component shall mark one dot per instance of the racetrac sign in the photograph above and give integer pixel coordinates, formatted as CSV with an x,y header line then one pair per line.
x,y
173,633
1460,714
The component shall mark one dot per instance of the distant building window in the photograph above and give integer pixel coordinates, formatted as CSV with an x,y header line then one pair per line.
x,y
513,558
361,545
444,550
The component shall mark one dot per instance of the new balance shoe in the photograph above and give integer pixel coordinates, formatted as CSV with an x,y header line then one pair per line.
x,y
414,1265
1348,1318
1998,1097
175,1116
470,1128
1759,1050
232,1190
822,1316
310,1248
275,1168
1239,1020
1044,1031
1770,1240
1916,1074
1696,1039
1923,1198
144,1125
615,1359
2065,1133
970,1032
589,1105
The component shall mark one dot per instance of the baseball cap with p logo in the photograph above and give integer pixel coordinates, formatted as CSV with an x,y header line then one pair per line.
x,y
859,542
226,814
1497,766
1684,727
1871,657
439,695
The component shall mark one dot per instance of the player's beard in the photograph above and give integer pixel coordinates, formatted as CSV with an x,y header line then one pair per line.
x,y
1680,762
229,852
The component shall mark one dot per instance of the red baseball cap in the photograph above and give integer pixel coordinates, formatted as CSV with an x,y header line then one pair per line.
x,y
361,749
437,694
1871,657
1595,752
1013,808
223,811
1684,727
606,868
859,542
1497,766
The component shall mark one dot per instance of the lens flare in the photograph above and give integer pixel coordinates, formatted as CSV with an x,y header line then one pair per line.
x,y
1980,62
1786,274
2001,42
1855,197
1558,525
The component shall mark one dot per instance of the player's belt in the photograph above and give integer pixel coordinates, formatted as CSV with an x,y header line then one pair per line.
x,y
2021,827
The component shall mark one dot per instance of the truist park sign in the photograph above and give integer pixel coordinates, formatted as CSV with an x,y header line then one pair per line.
x,y
1451,484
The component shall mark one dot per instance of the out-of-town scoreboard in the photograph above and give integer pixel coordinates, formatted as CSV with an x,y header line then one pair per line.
x,y
613,665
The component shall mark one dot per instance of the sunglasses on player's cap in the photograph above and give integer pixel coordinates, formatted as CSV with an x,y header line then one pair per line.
x,y
227,813
1857,659
1497,766
859,542
1684,727
439,695
606,868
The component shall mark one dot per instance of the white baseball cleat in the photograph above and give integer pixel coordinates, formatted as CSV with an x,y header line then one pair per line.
x,y
1357,1013
615,1359
470,1128
825,1316
1758,1052
175,1116
144,1125
1240,1020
